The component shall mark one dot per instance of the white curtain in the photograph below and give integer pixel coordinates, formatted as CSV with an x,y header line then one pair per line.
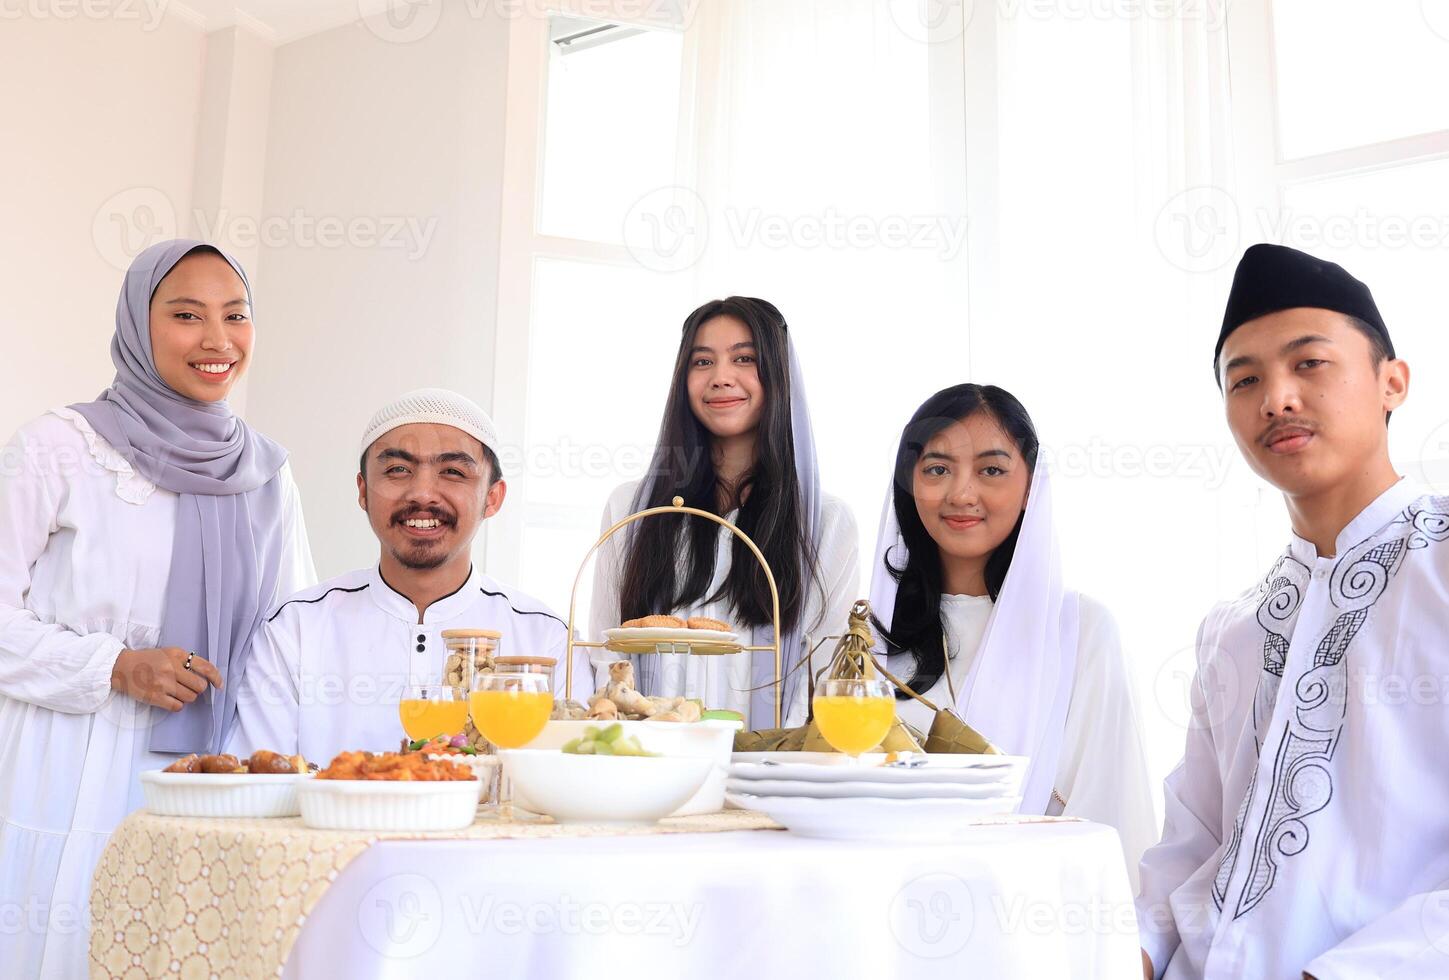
x,y
1098,263
828,161
1118,237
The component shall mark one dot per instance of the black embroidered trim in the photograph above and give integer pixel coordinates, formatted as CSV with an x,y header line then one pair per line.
x,y
439,599
1302,780
308,602
1282,593
523,612
1230,855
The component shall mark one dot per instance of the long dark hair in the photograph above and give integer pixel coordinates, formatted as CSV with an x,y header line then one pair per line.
x,y
916,620
670,561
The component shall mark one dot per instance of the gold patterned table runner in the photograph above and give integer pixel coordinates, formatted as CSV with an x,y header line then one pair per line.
x,y
189,897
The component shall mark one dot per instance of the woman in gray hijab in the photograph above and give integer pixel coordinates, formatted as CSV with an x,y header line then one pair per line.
x,y
143,536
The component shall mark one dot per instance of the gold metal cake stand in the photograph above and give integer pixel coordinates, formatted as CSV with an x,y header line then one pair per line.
x,y
677,646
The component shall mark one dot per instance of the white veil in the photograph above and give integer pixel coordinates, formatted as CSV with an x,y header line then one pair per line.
x,y
1017,691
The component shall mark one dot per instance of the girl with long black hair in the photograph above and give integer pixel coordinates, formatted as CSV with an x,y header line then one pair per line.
x,y
735,440
968,594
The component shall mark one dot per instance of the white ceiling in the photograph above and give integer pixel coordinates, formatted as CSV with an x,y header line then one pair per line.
x,y
280,20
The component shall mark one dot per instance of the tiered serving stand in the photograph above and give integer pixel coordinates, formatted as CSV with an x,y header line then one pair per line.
x,y
681,643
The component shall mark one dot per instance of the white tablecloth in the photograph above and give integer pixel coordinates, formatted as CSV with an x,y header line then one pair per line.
x,y
1034,901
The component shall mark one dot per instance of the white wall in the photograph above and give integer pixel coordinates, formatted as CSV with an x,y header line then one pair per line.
x,y
100,150
370,135
356,173
231,150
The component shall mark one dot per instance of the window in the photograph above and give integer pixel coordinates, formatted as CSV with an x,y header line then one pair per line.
x,y
575,307
610,127
603,338
1352,74
816,167
1390,228
1353,166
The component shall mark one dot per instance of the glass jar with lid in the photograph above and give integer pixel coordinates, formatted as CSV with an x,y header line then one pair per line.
x,y
525,665
470,652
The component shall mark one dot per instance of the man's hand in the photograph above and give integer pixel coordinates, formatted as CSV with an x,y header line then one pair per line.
x,y
158,676
1146,966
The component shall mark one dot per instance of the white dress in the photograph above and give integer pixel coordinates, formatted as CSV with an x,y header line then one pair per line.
x,y
85,553
1307,826
724,682
1102,772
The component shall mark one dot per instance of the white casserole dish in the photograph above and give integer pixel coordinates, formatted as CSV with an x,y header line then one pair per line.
x,y
201,794
393,805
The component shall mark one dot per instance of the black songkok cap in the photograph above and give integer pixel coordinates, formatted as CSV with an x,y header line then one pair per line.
x,y
1274,277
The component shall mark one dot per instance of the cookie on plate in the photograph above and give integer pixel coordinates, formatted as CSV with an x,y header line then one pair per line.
x,y
705,623
654,622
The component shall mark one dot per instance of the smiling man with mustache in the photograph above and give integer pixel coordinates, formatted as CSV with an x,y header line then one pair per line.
x,y
330,665
1307,826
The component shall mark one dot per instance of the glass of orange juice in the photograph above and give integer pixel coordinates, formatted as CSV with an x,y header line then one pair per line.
x,y
854,714
430,710
509,710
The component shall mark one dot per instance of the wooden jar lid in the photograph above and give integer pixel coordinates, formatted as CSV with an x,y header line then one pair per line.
x,y
472,635
524,661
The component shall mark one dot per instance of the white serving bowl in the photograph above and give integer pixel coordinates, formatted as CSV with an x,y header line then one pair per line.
x,y
381,804
712,740
608,789
203,794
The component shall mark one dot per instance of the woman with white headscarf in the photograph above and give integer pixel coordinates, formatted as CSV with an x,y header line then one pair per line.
x,y
142,538
735,440
968,594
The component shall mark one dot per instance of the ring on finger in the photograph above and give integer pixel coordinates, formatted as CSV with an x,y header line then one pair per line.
x,y
189,658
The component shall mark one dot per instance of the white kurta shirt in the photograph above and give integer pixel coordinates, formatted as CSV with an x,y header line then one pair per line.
x,y
1307,826
1102,772
85,555
329,668
724,682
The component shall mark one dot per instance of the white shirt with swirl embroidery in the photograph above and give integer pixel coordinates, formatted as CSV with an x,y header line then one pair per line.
x,y
85,554
1307,826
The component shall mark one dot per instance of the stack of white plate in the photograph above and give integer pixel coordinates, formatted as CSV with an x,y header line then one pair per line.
x,y
936,797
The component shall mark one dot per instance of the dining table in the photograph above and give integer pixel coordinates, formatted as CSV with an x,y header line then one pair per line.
x,y
726,893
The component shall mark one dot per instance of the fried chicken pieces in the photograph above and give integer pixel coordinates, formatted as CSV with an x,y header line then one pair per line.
x,y
394,766
261,763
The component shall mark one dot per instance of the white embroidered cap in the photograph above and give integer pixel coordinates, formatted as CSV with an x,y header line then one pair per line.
x,y
435,406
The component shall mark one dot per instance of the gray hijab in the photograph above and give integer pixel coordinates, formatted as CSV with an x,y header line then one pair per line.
x,y
226,552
